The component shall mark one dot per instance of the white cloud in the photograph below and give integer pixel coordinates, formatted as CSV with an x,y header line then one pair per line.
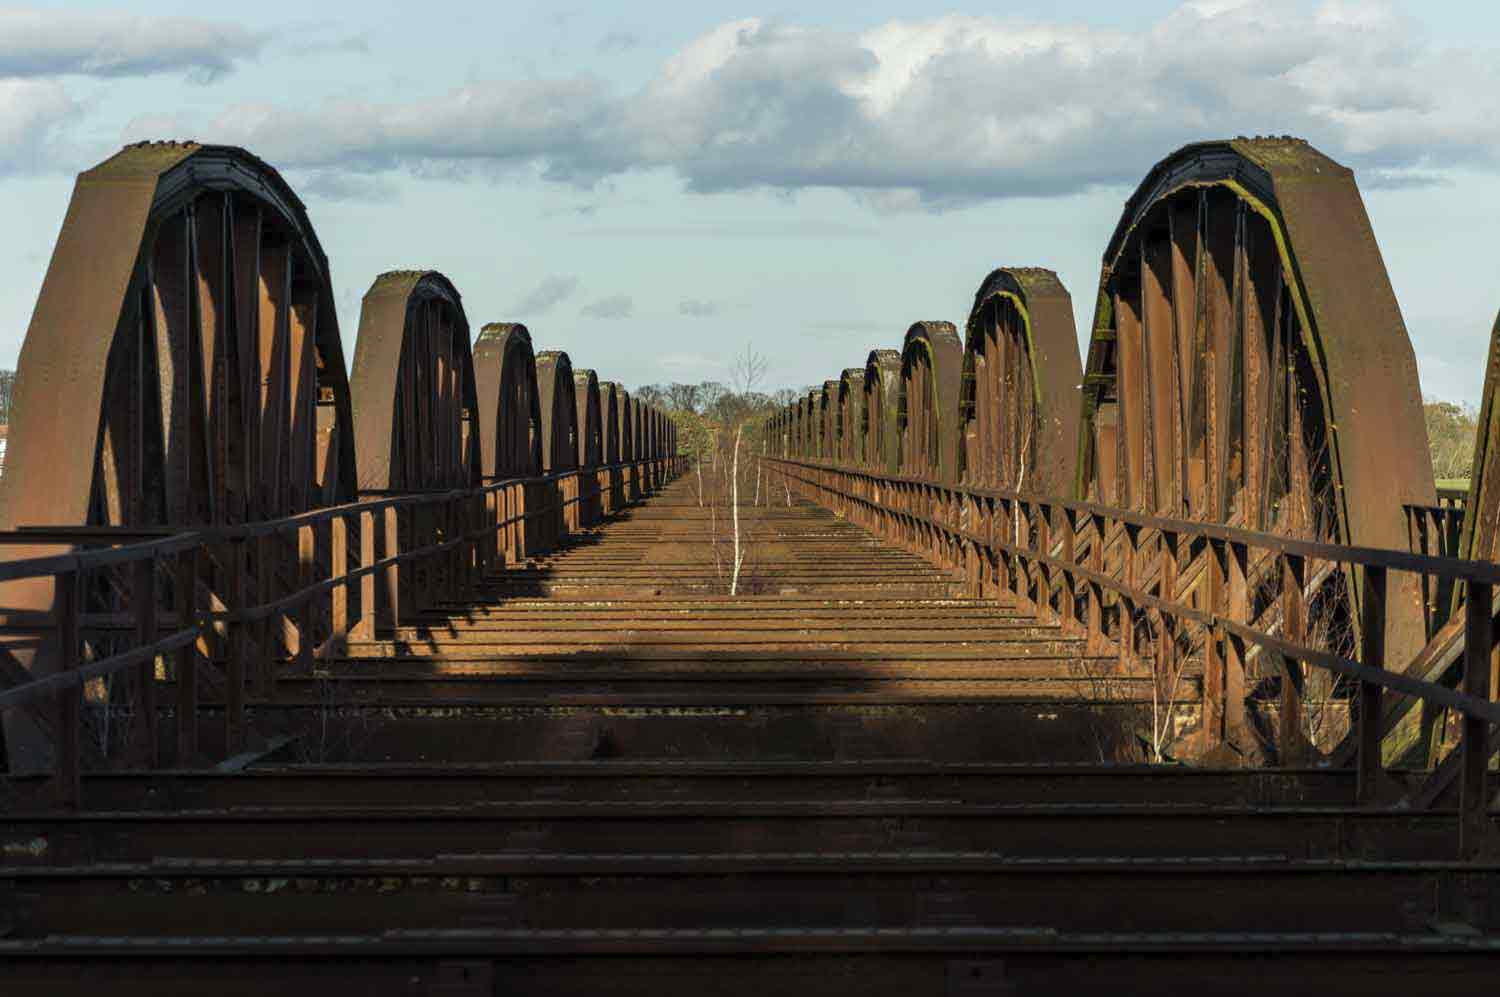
x,y
96,43
924,113
32,113
39,49
910,114
612,307
699,308
548,294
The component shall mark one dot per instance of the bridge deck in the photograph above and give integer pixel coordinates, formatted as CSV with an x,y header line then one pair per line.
x,y
607,755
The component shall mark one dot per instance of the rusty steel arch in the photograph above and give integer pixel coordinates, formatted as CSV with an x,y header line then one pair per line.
x,y
1248,362
851,427
554,375
609,406
828,424
186,324
510,414
927,402
590,418
626,424
799,429
415,402
1019,401
881,423
183,367
590,433
1480,538
610,412
812,414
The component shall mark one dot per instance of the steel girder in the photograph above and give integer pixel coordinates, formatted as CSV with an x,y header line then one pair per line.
x,y
882,433
510,415
1021,373
554,374
927,406
1249,364
415,402
183,368
186,326
851,416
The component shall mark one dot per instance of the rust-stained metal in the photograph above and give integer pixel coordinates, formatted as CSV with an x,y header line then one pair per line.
x,y
851,417
590,431
624,410
183,368
881,416
415,403
1021,380
1249,365
610,413
812,423
927,403
510,423
828,422
554,375
1480,539
186,326
590,418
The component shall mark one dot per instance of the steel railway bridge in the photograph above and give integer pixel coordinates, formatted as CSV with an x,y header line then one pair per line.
x,y
1166,665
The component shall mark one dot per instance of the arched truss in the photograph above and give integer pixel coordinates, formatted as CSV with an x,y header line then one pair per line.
x,y
415,403
927,403
1481,529
881,429
828,422
638,423
609,408
1248,362
186,328
1018,407
648,420
554,376
812,415
510,413
851,430
590,418
625,423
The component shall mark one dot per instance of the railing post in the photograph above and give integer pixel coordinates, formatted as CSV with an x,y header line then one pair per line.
x,y
453,517
1129,539
144,734
68,787
307,561
267,560
1293,631
187,658
1372,655
1067,554
1097,637
1213,645
1473,828
1237,601
367,574
391,573
234,666
338,605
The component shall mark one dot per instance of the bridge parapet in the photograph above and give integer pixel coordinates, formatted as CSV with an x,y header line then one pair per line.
x,y
1153,592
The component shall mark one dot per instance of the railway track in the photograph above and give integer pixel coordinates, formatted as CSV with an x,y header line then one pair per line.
x,y
854,772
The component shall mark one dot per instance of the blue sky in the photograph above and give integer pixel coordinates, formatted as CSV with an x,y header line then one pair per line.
x,y
650,188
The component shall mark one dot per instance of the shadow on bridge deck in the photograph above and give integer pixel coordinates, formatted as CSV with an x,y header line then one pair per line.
x,y
849,769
